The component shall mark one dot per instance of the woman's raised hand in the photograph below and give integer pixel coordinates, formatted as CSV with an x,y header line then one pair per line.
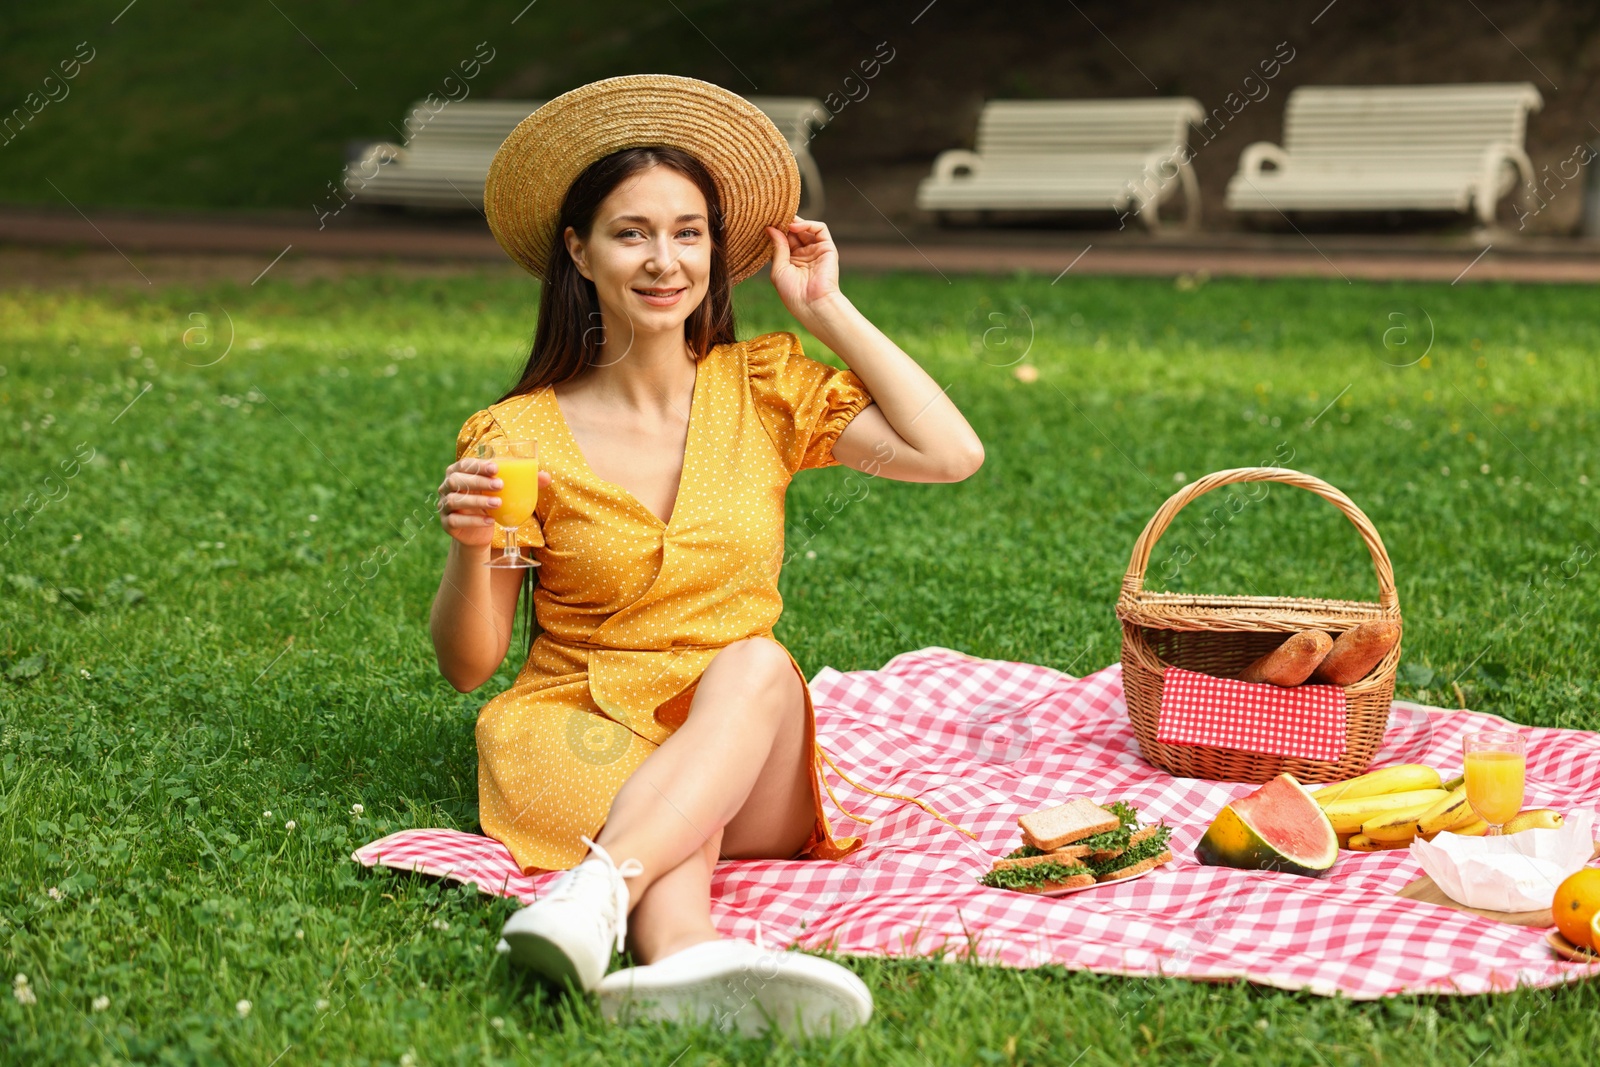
x,y
805,266
468,492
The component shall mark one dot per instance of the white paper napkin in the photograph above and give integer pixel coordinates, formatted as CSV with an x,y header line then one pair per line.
x,y
1513,872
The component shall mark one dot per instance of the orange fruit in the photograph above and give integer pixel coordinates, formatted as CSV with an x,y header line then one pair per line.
x,y
1576,905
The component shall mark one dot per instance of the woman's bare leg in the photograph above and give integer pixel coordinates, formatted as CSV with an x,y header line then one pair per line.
x,y
675,912
737,771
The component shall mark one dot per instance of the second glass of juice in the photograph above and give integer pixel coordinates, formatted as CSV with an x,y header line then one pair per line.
x,y
1496,773
517,467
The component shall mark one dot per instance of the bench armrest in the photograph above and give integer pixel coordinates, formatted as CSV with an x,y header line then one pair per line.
x,y
1251,159
1497,155
945,167
1491,185
358,172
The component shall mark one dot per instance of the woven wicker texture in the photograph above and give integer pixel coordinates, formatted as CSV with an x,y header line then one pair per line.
x,y
1221,635
749,160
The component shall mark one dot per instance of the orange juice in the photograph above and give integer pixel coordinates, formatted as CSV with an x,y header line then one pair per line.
x,y
1495,783
520,494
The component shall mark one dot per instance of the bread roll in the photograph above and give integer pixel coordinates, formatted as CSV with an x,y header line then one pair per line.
x,y
1356,652
1291,662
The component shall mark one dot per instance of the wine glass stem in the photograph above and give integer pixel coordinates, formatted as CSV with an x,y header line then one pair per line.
x,y
512,550
1493,831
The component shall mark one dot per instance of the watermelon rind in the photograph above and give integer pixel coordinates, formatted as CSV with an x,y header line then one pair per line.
x,y
1231,840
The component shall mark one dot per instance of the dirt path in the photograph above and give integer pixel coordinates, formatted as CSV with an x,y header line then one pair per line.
x,y
64,248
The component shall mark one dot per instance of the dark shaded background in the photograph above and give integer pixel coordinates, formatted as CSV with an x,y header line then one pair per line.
x,y
253,104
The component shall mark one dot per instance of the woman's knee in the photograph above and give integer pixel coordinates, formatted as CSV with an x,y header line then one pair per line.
x,y
761,661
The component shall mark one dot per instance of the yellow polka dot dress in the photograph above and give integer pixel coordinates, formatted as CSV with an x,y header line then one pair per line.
x,y
633,609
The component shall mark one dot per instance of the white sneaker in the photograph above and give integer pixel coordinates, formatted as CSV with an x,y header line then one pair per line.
x,y
739,985
567,935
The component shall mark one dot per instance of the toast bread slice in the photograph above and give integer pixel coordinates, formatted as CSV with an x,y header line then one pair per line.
x,y
1060,855
1075,820
1075,882
1137,868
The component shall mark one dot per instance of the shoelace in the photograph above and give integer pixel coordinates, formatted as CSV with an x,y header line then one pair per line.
x,y
629,868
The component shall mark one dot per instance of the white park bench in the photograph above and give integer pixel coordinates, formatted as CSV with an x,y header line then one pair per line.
x,y
1128,156
1421,147
444,158
446,154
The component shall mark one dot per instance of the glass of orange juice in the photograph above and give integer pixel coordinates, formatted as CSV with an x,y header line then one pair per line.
x,y
1496,772
517,466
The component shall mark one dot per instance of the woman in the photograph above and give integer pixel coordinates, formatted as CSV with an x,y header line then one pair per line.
x,y
657,726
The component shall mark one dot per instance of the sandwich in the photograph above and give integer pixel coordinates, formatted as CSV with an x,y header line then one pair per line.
x,y
1097,844
1044,874
1149,851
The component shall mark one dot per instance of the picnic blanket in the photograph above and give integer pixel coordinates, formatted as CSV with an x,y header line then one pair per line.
x,y
985,741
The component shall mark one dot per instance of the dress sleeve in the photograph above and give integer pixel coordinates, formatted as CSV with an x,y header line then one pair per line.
x,y
803,404
480,426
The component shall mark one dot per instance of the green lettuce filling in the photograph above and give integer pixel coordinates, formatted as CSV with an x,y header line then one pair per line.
x,y
1036,875
1115,840
1154,845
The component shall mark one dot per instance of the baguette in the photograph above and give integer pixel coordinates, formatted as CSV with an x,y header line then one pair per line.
x,y
1291,662
1066,823
1356,652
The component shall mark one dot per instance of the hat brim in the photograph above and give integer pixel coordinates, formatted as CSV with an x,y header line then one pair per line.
x,y
750,162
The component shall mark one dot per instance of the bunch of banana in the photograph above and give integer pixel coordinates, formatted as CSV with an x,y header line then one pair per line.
x,y
1389,808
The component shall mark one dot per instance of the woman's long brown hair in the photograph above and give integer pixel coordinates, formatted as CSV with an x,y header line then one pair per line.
x,y
568,338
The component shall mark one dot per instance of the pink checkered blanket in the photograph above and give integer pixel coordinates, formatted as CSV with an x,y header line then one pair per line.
x,y
985,741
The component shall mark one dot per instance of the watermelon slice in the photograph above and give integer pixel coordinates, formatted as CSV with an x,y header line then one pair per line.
x,y
1279,827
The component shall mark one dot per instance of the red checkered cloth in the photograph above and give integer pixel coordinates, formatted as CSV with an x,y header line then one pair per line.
x,y
985,741
1307,721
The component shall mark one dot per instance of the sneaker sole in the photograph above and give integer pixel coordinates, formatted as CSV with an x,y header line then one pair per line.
x,y
543,959
798,1002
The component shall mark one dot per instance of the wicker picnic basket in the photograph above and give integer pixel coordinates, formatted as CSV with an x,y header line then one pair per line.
x,y
1221,635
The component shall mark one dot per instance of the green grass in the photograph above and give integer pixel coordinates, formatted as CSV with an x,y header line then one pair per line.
x,y
223,613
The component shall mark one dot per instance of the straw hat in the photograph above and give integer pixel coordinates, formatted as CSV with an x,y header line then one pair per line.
x,y
749,160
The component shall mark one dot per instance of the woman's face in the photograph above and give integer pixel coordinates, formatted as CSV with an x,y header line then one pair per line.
x,y
649,252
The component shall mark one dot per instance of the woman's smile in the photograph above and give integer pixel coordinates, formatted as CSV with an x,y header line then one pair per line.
x,y
660,296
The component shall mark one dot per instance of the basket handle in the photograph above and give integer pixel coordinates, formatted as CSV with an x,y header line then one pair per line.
x,y
1133,582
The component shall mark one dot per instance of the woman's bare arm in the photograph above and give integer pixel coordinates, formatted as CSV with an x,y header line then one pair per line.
x,y
476,605
912,431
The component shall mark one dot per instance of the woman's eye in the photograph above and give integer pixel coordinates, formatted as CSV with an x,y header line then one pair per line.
x,y
689,233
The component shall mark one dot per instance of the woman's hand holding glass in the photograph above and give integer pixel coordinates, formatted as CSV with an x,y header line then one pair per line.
x,y
472,491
